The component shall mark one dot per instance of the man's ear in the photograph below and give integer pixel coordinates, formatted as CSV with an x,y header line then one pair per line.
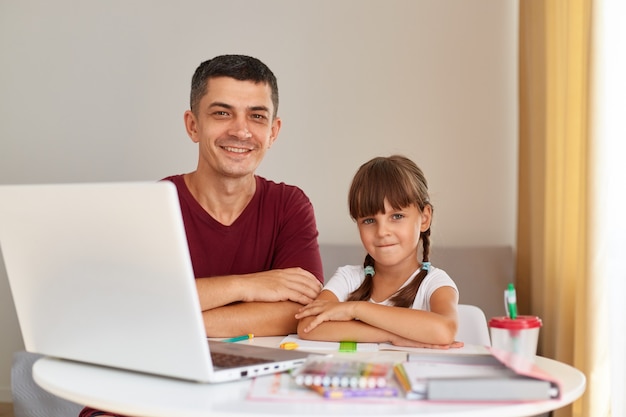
x,y
191,125
276,125
427,217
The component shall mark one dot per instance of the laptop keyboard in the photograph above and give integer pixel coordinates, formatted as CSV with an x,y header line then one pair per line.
x,y
226,360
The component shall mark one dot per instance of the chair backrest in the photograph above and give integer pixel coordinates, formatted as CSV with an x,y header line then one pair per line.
x,y
473,328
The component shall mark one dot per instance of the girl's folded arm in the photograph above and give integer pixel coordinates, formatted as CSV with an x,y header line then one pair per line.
x,y
437,326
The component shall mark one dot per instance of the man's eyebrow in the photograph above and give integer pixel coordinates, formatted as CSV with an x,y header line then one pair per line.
x,y
220,104
230,106
260,108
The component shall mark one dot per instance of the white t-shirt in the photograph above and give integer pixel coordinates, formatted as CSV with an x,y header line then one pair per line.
x,y
348,278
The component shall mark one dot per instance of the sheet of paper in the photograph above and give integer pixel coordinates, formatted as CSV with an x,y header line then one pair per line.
x,y
314,345
468,349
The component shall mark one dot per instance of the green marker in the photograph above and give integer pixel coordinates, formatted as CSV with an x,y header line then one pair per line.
x,y
347,346
510,302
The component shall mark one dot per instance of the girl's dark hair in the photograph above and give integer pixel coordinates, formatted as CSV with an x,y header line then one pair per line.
x,y
400,181
239,67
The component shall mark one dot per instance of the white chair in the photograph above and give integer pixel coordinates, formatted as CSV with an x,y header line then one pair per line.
x,y
473,329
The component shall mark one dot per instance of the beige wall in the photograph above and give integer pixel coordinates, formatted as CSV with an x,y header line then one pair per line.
x,y
95,91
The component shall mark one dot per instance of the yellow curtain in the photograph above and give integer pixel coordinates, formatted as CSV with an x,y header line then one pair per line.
x,y
554,276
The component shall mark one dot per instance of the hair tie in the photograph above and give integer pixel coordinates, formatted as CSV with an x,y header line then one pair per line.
x,y
369,270
426,266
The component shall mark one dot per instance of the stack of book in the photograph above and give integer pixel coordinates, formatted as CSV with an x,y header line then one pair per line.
x,y
496,377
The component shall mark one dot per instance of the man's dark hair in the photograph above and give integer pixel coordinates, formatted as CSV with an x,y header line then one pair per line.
x,y
239,67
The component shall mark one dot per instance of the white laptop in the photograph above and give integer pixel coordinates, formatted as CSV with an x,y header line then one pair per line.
x,y
100,273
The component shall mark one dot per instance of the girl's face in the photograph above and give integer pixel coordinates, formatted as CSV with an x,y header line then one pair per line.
x,y
392,237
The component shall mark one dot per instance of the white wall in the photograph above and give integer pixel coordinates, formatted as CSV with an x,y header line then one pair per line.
x,y
95,91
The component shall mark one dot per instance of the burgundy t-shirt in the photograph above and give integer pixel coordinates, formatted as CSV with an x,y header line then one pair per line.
x,y
276,230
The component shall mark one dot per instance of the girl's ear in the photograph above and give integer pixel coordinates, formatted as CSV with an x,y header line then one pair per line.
x,y
427,216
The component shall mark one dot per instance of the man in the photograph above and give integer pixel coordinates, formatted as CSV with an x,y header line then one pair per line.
x,y
253,242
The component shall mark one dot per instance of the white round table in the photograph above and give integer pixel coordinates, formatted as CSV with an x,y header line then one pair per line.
x,y
136,394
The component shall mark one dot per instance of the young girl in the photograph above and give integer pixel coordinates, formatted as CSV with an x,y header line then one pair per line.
x,y
393,297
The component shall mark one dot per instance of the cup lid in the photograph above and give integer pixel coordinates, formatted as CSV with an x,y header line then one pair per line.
x,y
519,323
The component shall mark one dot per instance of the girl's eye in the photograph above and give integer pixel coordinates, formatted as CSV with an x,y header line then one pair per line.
x,y
367,221
397,216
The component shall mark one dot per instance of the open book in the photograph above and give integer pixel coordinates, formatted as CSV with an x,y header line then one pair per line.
x,y
497,377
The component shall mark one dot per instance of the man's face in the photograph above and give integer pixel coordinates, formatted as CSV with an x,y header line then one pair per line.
x,y
234,126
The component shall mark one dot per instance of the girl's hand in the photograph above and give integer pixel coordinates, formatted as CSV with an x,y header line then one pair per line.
x,y
401,341
325,310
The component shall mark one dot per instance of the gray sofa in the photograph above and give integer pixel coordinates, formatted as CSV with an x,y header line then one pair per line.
x,y
481,274
29,400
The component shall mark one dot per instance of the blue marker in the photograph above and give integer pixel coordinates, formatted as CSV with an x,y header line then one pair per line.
x,y
239,338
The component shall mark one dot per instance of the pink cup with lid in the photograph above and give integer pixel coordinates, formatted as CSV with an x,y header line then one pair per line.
x,y
518,336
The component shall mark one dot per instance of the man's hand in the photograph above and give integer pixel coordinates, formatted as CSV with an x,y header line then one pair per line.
x,y
291,284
